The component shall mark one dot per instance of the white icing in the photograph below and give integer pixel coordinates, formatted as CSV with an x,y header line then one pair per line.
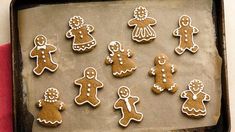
x,y
49,122
172,68
158,87
61,105
127,104
123,72
171,88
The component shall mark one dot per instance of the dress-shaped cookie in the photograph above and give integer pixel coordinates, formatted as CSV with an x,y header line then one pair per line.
x,y
186,32
42,52
120,59
127,103
194,105
163,73
49,114
83,41
89,85
142,24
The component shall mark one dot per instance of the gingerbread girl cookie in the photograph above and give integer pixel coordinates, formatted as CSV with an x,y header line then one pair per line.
x,y
194,105
89,85
163,72
119,58
42,51
83,41
186,32
49,114
127,103
143,31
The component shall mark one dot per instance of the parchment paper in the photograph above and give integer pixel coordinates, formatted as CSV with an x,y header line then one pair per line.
x,y
161,112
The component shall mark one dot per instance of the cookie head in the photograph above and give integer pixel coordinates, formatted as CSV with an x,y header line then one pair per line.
x,y
40,40
141,13
196,86
76,22
114,46
123,92
161,59
185,21
90,73
51,95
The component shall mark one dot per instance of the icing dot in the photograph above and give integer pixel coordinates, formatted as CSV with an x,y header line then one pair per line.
x,y
185,31
186,40
43,56
163,70
88,89
163,75
42,52
118,55
120,59
186,35
88,84
88,94
44,61
80,32
164,80
121,62
194,97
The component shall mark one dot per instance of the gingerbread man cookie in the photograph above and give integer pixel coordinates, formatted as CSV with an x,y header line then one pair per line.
x,y
49,114
42,51
127,103
194,105
143,31
83,41
89,85
119,58
186,32
163,72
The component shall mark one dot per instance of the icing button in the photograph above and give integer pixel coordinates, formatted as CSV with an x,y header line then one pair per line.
x,y
163,70
88,84
164,80
163,75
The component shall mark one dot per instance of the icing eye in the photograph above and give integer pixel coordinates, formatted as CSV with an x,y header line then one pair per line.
x,y
37,38
187,19
92,72
159,57
163,57
88,72
121,92
183,19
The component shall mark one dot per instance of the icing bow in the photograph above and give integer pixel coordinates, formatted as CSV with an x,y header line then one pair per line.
x,y
41,47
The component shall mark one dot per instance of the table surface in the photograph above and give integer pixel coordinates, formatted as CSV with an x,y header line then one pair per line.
x,y
230,31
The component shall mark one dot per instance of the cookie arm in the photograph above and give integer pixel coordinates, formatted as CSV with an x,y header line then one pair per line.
x,y
69,34
33,52
184,94
129,53
39,104
131,22
61,106
151,21
152,71
173,69
176,32
108,60
195,30
78,82
136,99
99,84
90,28
206,97
51,48
117,104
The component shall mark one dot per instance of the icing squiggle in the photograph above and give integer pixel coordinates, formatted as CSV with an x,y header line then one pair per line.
x,y
123,72
50,122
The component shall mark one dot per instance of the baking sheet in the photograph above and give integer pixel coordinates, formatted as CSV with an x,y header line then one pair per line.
x,y
161,112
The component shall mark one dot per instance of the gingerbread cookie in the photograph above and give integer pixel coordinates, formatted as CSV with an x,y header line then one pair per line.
x,y
49,114
83,41
119,58
89,85
42,52
142,24
127,103
186,32
163,73
194,105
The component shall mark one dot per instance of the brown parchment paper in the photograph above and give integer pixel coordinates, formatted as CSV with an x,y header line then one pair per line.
x,y
161,112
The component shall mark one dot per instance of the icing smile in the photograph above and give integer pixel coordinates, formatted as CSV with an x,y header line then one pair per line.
x,y
185,23
161,62
90,77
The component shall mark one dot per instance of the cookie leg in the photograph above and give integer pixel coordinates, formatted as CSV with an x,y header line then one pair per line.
x,y
124,121
79,100
173,88
38,70
53,67
179,50
157,89
94,101
138,116
194,49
